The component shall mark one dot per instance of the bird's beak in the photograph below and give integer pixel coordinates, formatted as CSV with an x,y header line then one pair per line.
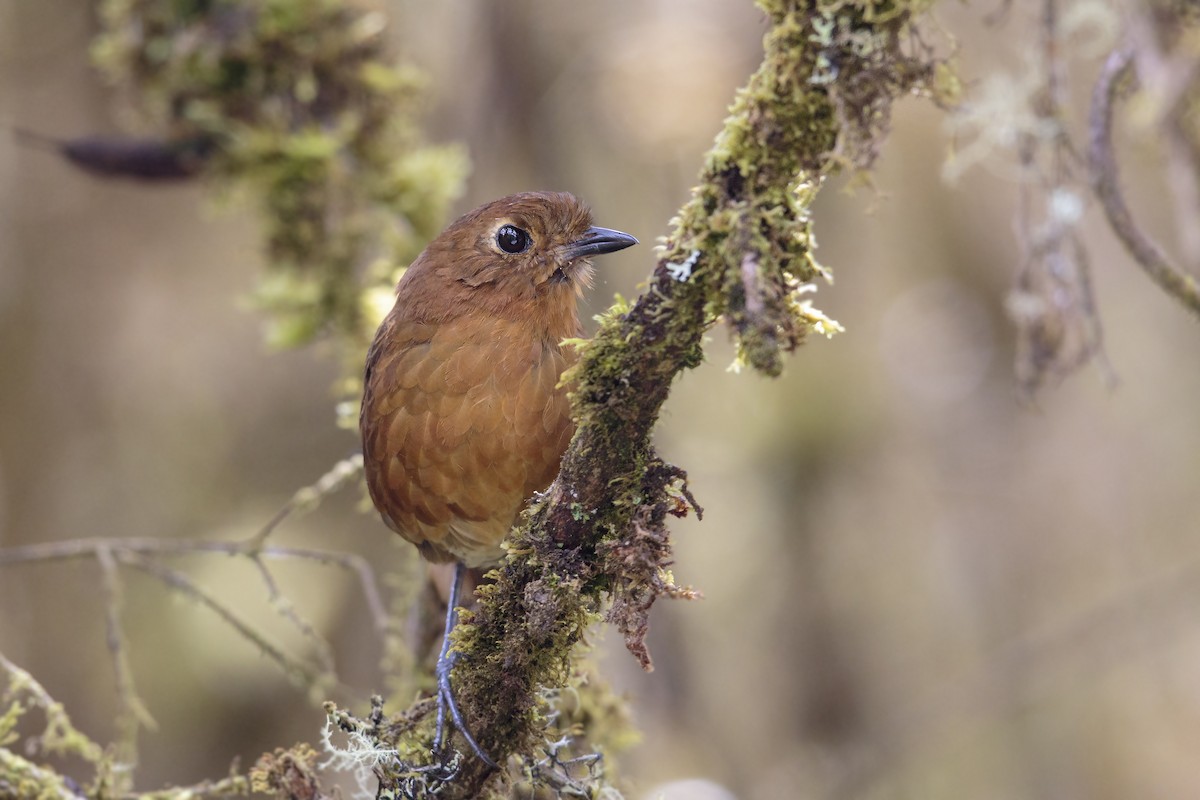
x,y
596,241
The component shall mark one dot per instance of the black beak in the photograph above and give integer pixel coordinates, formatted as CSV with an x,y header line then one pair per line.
x,y
597,241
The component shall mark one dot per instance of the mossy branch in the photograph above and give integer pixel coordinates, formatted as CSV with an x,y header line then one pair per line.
x,y
740,248
21,777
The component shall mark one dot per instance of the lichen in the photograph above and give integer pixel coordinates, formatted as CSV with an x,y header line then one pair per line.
x,y
289,774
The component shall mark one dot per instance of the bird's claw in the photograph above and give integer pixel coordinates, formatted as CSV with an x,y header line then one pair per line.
x,y
447,703
445,665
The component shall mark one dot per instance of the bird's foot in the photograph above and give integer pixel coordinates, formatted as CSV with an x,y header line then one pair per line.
x,y
447,705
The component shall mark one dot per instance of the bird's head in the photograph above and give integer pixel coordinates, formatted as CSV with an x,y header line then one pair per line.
x,y
523,254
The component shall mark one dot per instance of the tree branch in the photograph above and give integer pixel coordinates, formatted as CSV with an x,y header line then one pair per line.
x,y
310,677
1103,167
20,777
133,713
742,248
90,548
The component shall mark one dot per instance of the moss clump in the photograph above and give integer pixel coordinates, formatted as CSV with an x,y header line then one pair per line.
x,y
299,105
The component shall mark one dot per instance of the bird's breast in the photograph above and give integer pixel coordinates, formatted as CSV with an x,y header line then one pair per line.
x,y
461,423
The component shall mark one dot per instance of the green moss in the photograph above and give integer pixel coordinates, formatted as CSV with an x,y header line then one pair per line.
x,y
24,778
741,249
21,779
300,107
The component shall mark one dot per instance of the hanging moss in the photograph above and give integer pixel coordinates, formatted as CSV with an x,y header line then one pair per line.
x,y
301,107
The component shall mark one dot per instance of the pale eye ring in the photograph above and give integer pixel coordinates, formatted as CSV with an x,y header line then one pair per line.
x,y
512,239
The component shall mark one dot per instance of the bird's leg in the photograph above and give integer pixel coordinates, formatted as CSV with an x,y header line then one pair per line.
x,y
445,664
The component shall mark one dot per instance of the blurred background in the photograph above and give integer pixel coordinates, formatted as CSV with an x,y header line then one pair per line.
x,y
915,585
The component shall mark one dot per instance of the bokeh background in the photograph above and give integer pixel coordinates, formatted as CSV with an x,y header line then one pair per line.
x,y
915,584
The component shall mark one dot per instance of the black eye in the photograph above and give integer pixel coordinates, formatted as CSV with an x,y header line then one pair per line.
x,y
512,239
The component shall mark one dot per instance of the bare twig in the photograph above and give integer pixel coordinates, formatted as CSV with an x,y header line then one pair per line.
x,y
83,548
138,553
1168,73
175,579
1103,168
1051,305
133,713
309,497
287,610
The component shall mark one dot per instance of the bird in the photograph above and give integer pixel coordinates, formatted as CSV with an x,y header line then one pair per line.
x,y
464,416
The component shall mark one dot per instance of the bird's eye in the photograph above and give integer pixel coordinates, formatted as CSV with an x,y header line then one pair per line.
x,y
512,239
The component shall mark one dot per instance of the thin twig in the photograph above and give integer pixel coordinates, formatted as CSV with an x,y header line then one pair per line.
x,y
1103,168
133,713
1052,304
304,499
83,548
287,610
1169,75
177,580
309,497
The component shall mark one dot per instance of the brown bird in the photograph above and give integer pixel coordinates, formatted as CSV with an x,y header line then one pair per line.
x,y
463,417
